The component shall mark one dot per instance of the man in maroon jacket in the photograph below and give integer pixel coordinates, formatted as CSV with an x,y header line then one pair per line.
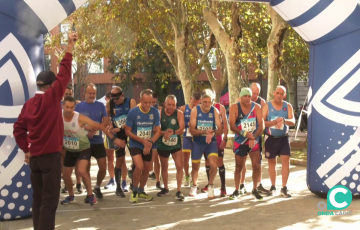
x,y
39,132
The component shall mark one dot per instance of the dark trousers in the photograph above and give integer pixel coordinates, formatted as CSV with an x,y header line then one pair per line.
x,y
45,180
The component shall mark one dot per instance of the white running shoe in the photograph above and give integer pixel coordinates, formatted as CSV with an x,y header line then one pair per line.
x,y
211,194
193,190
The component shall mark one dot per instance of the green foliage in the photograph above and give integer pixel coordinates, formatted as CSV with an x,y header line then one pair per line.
x,y
296,57
151,62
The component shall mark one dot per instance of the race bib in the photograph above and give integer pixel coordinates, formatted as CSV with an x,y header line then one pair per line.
x,y
274,127
144,132
188,134
248,125
173,140
204,126
120,121
97,133
71,143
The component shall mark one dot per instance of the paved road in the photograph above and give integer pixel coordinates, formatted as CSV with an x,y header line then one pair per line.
x,y
112,212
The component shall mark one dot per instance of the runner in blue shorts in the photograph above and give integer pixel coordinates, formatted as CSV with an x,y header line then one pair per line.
x,y
278,116
187,137
205,124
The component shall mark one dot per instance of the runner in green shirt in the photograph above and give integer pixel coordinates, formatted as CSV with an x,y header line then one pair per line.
x,y
172,126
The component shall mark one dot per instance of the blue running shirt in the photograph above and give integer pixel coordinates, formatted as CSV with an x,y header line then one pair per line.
x,y
95,111
142,124
272,115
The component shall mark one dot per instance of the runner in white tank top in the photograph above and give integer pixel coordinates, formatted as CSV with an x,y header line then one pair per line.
x,y
77,147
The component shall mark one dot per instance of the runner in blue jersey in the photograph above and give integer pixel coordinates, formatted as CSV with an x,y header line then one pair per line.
x,y
278,116
141,123
247,123
205,124
95,111
187,138
118,108
110,155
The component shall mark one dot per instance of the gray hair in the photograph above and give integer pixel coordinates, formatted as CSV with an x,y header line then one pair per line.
x,y
146,92
208,93
171,97
89,85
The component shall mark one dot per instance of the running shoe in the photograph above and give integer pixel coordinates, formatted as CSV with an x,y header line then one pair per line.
x,y
211,194
193,190
79,188
145,196
152,175
111,184
205,189
92,200
124,187
163,192
68,200
223,191
284,192
134,197
272,190
158,185
98,193
64,190
235,195
119,192
256,194
187,181
179,196
262,190
242,189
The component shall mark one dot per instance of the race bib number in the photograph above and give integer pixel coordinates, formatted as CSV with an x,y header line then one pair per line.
x,y
144,132
120,121
204,126
71,143
280,126
173,140
188,134
248,125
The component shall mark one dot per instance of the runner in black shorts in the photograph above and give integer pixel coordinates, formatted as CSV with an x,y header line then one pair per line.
x,y
255,88
95,111
118,108
77,145
278,116
140,125
172,126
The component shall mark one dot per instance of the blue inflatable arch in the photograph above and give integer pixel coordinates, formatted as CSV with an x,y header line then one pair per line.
x,y
330,26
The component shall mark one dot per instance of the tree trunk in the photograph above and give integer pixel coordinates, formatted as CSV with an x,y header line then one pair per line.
x,y
274,45
230,49
292,91
183,65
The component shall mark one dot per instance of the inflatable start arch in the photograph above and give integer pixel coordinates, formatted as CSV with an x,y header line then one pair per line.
x,y
330,26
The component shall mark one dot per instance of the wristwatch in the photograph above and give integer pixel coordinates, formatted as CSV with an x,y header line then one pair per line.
x,y
225,139
113,138
151,141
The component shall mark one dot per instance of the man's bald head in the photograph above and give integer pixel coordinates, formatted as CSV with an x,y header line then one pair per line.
x,y
280,87
279,93
255,88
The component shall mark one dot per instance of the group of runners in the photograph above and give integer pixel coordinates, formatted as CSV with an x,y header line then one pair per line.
x,y
152,135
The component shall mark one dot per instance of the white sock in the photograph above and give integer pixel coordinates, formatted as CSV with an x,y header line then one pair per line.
x,y
258,184
97,186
